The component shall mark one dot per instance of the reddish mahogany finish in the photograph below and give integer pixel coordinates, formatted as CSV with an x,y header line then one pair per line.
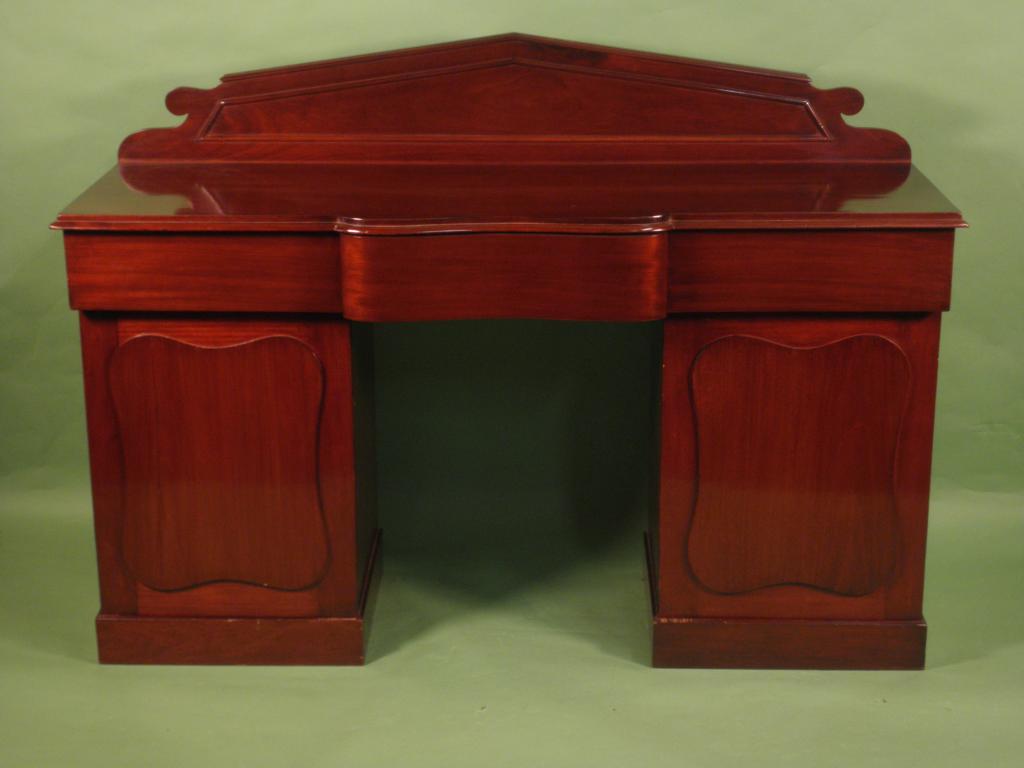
x,y
845,271
273,637
275,640
800,265
218,599
203,272
226,474
557,277
757,643
515,97
806,502
795,450
253,197
220,452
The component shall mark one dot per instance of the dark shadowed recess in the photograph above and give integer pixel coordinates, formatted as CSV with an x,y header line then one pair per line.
x,y
511,450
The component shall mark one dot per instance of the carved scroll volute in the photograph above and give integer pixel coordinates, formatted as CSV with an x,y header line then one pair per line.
x,y
515,98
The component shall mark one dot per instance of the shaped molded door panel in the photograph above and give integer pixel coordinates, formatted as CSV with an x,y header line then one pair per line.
x,y
220,462
796,450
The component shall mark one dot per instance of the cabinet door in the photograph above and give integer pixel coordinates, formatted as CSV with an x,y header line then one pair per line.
x,y
223,465
795,465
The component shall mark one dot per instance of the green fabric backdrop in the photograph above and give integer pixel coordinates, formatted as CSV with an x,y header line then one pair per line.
x,y
481,454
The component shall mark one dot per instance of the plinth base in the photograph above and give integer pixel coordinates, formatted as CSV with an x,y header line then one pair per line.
x,y
335,640
753,643
788,643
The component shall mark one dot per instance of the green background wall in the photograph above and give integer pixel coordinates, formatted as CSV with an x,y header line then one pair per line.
x,y
497,436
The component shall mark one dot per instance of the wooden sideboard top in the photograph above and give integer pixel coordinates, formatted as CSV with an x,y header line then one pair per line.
x,y
511,133
368,199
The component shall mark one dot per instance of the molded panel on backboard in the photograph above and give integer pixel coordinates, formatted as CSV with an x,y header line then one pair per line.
x,y
220,457
796,462
522,99
515,98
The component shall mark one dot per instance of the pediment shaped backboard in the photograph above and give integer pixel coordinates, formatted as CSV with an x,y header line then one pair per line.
x,y
515,98
512,99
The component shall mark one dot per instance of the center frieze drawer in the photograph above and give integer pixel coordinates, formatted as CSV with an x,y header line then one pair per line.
x,y
551,276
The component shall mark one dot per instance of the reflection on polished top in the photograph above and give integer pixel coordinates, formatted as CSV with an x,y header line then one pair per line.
x,y
637,198
514,133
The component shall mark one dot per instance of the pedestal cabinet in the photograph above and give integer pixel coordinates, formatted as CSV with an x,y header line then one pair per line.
x,y
227,272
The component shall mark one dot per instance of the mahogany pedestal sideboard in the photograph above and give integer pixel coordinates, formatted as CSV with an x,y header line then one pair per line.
x,y
226,270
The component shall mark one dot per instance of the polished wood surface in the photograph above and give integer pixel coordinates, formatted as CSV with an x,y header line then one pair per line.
x,y
206,272
795,451
845,271
99,338
511,131
219,599
760,643
515,98
221,480
227,271
227,454
467,276
357,198
642,273
846,497
269,638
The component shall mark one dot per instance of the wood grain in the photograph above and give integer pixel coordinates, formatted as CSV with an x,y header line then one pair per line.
x,y
795,458
197,639
521,100
843,271
227,599
767,644
279,641
203,272
345,491
220,462
802,265
678,592
303,197
515,98
106,466
557,277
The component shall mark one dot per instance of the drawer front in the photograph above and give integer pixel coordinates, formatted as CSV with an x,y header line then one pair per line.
x,y
810,271
493,275
194,272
